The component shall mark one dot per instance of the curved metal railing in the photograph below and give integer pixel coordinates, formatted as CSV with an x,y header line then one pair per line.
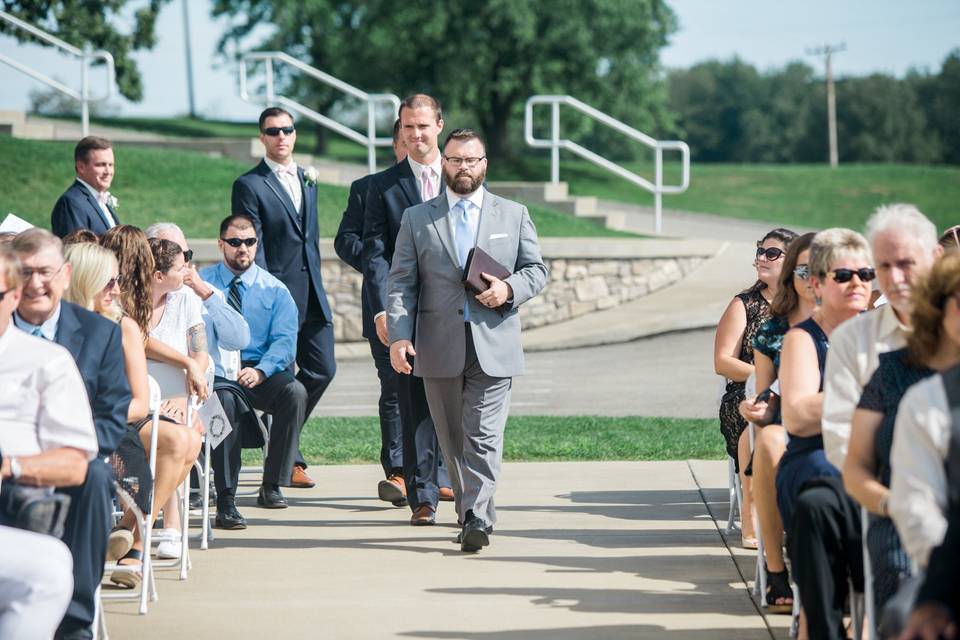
x,y
369,140
555,143
86,56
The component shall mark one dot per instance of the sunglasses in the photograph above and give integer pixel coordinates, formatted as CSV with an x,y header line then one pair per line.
x,y
112,282
236,242
188,255
802,271
275,131
771,254
866,274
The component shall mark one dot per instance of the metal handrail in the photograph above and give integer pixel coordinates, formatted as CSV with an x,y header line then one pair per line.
x,y
555,143
86,56
370,140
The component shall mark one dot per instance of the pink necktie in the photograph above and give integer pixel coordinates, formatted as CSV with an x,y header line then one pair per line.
x,y
103,197
426,189
290,169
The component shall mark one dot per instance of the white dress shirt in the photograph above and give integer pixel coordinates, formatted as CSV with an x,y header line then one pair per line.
x,y
435,177
43,402
111,223
918,484
291,183
855,348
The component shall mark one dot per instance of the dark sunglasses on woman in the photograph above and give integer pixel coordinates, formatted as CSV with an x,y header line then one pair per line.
x,y
773,253
866,274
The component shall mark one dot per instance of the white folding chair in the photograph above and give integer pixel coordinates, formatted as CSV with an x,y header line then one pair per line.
x,y
172,383
733,483
148,587
869,611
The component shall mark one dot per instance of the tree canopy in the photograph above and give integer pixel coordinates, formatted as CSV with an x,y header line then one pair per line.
x,y
80,23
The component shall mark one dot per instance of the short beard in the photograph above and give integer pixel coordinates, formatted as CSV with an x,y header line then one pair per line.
x,y
458,185
235,266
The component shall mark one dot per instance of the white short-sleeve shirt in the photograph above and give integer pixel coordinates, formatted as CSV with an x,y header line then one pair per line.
x,y
180,312
43,402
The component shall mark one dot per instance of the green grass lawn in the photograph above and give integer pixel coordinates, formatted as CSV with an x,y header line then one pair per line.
x,y
184,187
533,439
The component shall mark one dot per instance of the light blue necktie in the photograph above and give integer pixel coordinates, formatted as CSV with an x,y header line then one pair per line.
x,y
38,332
464,240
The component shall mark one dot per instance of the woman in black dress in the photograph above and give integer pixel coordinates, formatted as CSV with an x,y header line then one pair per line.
x,y
733,357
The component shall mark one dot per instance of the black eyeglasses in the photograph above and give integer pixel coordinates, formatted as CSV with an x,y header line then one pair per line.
x,y
866,274
236,242
469,163
773,253
275,131
802,271
3,293
188,255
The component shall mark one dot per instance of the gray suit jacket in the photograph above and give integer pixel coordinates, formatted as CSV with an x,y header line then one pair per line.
x,y
426,295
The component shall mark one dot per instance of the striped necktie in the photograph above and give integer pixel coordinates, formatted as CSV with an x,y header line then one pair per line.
x,y
233,296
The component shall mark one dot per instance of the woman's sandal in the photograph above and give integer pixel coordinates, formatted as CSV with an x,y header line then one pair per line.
x,y
131,575
778,588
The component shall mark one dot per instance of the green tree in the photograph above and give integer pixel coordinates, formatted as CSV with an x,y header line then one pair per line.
x,y
481,60
939,97
93,23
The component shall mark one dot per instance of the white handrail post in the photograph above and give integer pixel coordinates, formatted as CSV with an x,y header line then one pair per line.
x,y
270,94
555,142
658,192
85,93
371,136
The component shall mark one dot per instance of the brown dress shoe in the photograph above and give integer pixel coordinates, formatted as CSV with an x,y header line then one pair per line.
x,y
423,516
393,489
446,494
300,479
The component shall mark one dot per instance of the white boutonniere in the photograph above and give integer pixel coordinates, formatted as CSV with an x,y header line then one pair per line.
x,y
113,202
310,176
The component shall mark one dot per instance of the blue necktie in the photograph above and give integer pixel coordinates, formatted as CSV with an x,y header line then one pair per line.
x,y
38,332
464,240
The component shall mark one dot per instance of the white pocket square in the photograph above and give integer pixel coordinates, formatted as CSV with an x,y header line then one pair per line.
x,y
494,236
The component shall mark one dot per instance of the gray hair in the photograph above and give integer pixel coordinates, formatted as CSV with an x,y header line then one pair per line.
x,y
832,245
905,219
154,230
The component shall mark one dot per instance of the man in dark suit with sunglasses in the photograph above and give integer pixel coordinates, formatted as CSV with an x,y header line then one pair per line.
x,y
282,202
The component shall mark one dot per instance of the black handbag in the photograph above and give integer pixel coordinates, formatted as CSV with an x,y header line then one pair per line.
x,y
37,509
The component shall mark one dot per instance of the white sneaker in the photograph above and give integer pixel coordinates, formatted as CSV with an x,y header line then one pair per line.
x,y
169,549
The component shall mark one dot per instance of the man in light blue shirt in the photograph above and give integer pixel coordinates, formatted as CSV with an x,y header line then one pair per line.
x,y
265,379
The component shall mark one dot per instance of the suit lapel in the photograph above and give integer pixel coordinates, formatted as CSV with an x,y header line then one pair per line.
x,y
408,183
443,225
273,183
96,206
489,212
69,334
309,202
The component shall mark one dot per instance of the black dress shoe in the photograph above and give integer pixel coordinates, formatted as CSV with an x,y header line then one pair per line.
x,y
459,539
271,498
229,518
475,535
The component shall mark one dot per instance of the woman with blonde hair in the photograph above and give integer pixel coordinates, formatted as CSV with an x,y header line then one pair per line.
x,y
933,345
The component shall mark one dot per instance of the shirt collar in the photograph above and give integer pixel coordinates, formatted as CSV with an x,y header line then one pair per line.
x,y
93,191
48,329
890,323
417,168
248,277
475,198
276,166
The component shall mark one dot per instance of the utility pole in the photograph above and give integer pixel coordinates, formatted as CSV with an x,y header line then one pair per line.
x,y
827,52
186,44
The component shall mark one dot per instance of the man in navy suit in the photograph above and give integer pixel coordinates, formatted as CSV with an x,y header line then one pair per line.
x,y
96,347
390,193
349,246
283,205
88,204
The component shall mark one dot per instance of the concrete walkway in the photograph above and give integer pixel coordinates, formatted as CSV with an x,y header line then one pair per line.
x,y
582,550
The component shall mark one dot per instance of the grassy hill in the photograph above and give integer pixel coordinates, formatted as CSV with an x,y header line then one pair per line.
x,y
184,187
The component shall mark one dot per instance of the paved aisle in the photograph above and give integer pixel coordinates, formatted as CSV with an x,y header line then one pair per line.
x,y
583,550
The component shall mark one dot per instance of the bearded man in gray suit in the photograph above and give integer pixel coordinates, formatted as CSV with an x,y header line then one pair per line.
x,y
468,346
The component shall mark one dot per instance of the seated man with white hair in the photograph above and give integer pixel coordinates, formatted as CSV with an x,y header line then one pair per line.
x,y
47,440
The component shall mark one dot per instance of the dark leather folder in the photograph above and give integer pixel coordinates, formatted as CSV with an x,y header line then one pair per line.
x,y
479,261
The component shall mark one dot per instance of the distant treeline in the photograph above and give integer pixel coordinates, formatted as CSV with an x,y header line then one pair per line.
x,y
728,111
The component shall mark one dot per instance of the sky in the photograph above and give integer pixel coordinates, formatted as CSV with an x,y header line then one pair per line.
x,y
880,36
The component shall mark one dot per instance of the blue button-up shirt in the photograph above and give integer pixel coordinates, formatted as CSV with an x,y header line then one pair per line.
x,y
270,312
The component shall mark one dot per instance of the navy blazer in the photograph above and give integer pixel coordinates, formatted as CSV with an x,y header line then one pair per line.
x,y
97,347
287,250
391,192
349,245
78,209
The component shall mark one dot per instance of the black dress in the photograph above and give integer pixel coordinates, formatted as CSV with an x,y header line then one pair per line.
x,y
732,423
894,375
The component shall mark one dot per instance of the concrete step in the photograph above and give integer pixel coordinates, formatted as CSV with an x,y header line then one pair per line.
x,y
556,196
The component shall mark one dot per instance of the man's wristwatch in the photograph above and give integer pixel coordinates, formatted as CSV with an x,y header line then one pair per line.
x,y
14,468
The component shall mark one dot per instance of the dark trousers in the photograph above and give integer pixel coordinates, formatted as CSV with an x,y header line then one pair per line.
x,y
824,545
391,432
280,395
315,358
85,533
423,468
